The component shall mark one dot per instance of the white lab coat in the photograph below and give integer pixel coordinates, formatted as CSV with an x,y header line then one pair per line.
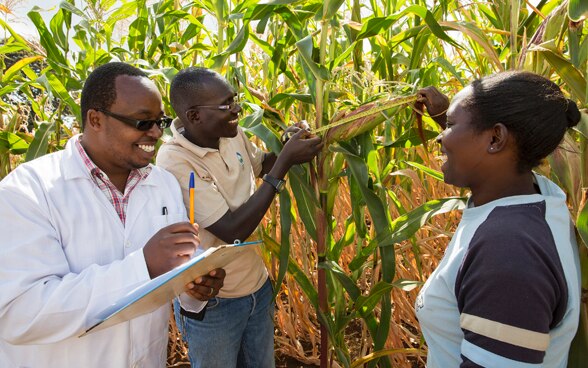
x,y
65,256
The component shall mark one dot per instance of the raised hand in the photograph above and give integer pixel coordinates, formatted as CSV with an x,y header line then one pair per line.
x,y
302,147
293,129
435,102
170,247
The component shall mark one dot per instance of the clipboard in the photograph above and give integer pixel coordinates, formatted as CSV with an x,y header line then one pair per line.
x,y
160,290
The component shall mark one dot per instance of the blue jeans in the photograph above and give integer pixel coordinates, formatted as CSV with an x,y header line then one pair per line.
x,y
235,332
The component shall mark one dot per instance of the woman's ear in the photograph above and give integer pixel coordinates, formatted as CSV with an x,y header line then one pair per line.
x,y
499,138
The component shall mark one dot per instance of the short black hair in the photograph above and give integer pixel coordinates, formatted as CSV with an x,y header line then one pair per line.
x,y
187,85
99,90
531,107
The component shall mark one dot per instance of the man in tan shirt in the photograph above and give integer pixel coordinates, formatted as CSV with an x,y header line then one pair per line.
x,y
237,329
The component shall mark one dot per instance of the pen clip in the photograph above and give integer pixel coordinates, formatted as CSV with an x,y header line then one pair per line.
x,y
164,212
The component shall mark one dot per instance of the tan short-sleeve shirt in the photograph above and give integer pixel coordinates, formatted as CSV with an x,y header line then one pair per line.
x,y
224,180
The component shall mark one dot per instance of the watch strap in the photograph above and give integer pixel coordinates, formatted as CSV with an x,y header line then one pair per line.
x,y
278,184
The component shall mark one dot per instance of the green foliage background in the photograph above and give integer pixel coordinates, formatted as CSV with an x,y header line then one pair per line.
x,y
322,61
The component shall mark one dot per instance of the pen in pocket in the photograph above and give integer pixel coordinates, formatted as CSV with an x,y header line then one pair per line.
x,y
164,212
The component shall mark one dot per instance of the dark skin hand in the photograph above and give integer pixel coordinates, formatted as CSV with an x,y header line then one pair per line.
x,y
174,245
239,224
436,104
207,286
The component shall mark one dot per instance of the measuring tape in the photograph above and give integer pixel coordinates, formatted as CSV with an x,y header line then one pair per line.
x,y
385,106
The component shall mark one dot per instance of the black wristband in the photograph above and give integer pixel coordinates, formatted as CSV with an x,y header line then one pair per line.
x,y
278,184
192,315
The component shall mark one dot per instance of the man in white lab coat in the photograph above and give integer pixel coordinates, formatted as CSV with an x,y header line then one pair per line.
x,y
84,226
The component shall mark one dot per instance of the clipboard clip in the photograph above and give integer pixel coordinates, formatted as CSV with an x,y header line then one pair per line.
x,y
238,242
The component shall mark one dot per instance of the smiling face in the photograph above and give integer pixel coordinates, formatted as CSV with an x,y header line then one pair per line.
x,y
464,148
206,125
123,147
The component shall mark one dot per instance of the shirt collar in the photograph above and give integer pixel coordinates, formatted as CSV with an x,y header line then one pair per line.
x,y
78,164
177,129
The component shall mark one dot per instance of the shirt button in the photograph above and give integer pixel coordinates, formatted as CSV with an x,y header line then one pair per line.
x,y
127,244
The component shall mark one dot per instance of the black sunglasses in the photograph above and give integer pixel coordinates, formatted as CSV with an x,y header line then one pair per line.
x,y
228,107
142,125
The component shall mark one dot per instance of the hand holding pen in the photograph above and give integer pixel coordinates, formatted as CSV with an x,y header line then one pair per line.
x,y
206,286
170,247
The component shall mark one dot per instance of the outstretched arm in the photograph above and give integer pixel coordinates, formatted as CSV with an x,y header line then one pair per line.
x,y
239,224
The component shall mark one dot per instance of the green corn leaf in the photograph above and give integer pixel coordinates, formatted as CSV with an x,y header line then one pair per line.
x,y
431,22
346,281
236,46
445,64
383,329
18,38
57,87
303,282
13,47
40,143
330,8
357,208
7,89
72,9
378,211
405,226
305,48
432,173
60,19
374,26
477,35
411,138
54,55
578,353
12,142
577,10
306,201
367,303
277,2
347,239
253,123
582,221
285,225
582,126
302,97
564,68
12,72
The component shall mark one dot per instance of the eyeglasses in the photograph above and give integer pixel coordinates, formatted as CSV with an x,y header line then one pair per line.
x,y
142,125
230,107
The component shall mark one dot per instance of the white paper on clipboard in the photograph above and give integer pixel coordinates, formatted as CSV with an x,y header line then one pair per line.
x,y
162,289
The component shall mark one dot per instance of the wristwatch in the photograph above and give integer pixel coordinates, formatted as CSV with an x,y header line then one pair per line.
x,y
278,184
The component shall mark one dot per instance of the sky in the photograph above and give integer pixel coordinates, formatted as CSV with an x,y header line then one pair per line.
x,y
21,23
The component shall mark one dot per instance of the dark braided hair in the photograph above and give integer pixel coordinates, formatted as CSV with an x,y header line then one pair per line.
x,y
531,107
187,85
99,90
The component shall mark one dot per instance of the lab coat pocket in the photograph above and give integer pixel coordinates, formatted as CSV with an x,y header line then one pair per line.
x,y
162,221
